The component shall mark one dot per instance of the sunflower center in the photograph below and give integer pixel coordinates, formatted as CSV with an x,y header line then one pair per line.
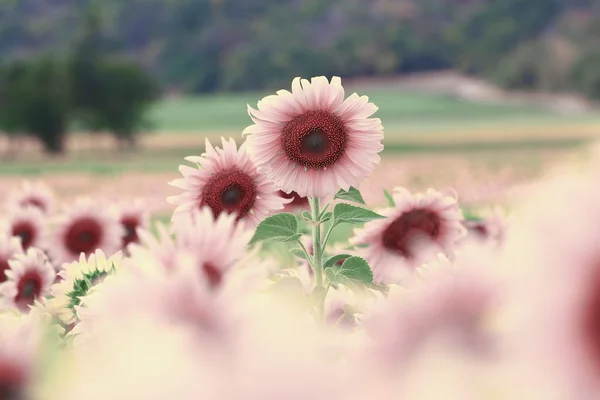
x,y
315,142
232,196
213,274
230,191
130,225
315,139
12,381
400,236
29,288
84,236
26,232
479,229
3,268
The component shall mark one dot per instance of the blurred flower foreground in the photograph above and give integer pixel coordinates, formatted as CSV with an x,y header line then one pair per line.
x,y
250,292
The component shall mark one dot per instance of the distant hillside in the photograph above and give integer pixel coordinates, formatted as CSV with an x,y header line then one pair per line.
x,y
208,45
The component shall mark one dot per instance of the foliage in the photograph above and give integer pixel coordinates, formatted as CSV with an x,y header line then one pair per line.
x,y
206,46
586,74
124,96
12,95
34,100
521,68
92,86
107,93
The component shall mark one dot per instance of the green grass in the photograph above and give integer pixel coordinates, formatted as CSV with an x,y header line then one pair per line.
x,y
223,112
102,162
415,123
399,111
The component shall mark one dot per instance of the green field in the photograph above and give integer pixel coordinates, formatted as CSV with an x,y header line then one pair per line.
x,y
414,123
418,127
399,111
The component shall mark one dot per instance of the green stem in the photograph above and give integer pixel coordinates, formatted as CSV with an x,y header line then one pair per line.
x,y
316,239
327,235
323,211
306,253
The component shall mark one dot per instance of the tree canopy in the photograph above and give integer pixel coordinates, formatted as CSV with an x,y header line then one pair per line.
x,y
213,45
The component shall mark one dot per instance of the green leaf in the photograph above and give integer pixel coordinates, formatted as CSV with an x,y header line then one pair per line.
x,y
331,261
389,198
355,273
307,216
331,275
470,216
305,229
352,195
357,269
323,211
343,212
326,217
298,253
279,228
293,238
356,286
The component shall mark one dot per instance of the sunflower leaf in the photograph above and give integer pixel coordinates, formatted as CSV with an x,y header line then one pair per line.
x,y
470,216
278,228
323,211
307,216
298,253
343,212
356,268
333,260
292,238
389,198
326,217
352,195
331,275
356,286
355,273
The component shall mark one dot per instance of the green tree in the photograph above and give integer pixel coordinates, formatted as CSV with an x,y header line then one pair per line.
x,y
126,95
11,96
496,27
107,94
214,45
586,74
41,106
84,70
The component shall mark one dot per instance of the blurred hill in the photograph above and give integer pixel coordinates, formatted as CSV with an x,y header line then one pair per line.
x,y
231,45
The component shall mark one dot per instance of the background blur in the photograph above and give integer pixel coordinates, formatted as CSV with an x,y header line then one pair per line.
x,y
110,95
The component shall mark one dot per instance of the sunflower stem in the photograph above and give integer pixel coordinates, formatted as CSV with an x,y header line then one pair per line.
x,y
322,212
327,235
306,253
317,259
317,263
